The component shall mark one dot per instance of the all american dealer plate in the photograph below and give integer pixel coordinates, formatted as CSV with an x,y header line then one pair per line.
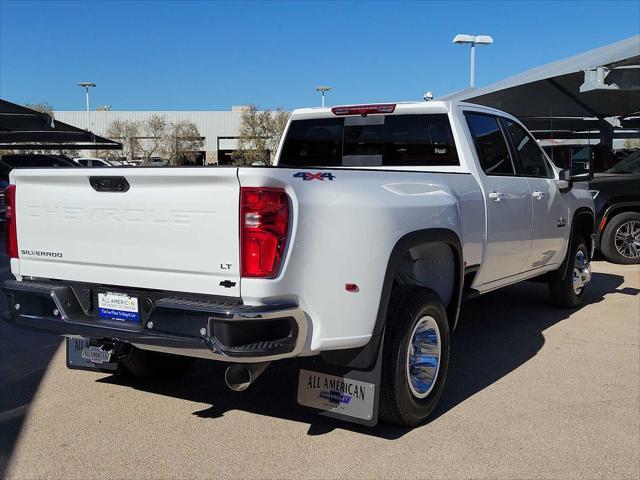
x,y
342,395
118,306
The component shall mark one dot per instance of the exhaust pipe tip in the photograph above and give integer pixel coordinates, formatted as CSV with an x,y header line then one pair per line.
x,y
239,377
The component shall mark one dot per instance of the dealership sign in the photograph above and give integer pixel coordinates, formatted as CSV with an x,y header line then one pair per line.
x,y
341,395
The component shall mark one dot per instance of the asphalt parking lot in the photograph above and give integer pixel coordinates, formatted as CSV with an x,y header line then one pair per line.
x,y
533,392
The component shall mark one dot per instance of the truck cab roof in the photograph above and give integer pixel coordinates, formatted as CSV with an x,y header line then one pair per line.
x,y
411,107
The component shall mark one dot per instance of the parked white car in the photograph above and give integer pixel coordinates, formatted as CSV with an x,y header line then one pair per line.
x,y
92,162
356,249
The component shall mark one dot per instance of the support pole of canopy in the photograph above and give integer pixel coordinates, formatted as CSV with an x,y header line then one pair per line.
x,y
605,148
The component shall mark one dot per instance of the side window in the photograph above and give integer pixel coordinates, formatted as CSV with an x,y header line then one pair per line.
x,y
530,157
491,145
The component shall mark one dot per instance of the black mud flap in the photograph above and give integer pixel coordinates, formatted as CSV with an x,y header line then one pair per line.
x,y
340,392
85,354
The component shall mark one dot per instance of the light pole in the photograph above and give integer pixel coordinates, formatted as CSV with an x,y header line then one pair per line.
x,y
86,86
323,89
473,40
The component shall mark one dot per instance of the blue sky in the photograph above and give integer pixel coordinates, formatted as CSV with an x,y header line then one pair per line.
x,y
198,55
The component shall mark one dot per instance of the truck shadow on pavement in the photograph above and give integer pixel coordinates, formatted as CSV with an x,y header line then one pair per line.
x,y
24,359
497,333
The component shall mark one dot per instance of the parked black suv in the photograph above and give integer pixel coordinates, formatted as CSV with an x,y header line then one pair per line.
x,y
617,200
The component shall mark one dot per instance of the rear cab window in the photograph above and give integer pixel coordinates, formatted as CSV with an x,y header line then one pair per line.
x,y
370,141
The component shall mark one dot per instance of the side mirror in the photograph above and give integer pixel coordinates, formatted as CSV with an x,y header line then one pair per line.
x,y
565,181
582,177
581,170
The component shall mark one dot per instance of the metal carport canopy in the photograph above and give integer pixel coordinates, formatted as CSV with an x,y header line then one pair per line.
x,y
23,128
609,76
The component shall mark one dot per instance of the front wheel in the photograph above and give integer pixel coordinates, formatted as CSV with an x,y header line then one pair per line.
x,y
415,357
567,291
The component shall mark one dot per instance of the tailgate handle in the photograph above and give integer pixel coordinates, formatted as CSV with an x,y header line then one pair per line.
x,y
109,184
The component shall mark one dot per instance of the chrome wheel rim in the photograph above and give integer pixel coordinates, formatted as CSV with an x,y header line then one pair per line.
x,y
423,357
627,239
581,271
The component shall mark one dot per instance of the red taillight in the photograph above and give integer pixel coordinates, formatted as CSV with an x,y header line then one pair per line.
x,y
10,233
264,222
364,109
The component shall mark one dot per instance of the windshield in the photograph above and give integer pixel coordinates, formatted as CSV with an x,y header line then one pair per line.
x,y
631,164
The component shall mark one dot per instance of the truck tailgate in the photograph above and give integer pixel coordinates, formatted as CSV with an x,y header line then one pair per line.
x,y
174,229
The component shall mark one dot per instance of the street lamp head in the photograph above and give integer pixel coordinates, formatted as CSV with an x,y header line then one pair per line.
x,y
462,38
484,40
323,88
86,84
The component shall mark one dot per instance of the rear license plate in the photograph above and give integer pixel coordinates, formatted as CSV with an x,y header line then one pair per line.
x,y
118,306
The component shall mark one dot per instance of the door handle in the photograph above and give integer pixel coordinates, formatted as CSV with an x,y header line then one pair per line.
x,y
496,196
538,194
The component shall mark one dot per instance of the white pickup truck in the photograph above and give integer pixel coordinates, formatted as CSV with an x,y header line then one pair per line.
x,y
356,250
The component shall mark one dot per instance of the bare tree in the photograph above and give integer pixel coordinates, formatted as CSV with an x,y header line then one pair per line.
x,y
182,143
260,133
128,133
43,107
154,130
178,142
109,154
279,119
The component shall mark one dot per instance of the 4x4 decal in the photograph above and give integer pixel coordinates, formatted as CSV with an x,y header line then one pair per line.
x,y
308,176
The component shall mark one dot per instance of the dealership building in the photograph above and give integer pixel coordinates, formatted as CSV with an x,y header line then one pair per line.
x,y
219,129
